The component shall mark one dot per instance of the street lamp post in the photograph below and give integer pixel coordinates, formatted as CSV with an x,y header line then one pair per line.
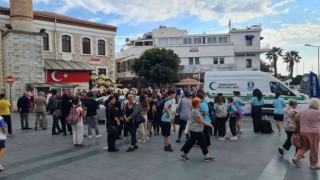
x,y
318,56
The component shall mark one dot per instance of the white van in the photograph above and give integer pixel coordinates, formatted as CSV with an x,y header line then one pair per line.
x,y
227,82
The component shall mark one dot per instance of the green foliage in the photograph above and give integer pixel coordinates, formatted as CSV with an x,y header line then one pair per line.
x,y
296,80
157,66
265,67
273,57
290,58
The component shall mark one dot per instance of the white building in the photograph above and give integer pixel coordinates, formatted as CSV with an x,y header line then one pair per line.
x,y
239,49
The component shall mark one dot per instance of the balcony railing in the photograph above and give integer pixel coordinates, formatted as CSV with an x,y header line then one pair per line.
x,y
254,47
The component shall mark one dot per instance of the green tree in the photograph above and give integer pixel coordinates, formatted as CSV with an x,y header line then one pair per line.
x,y
273,57
159,66
265,67
296,80
290,58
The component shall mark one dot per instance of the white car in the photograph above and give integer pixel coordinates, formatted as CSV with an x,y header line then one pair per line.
x,y
101,112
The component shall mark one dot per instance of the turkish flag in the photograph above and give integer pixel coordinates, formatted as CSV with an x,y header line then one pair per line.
x,y
67,76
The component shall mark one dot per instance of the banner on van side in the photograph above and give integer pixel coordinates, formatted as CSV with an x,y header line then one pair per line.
x,y
314,85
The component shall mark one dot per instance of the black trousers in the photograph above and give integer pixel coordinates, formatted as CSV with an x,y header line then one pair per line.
x,y
256,114
64,124
123,127
133,132
55,125
207,135
182,128
111,142
232,125
287,144
195,137
156,125
7,119
221,122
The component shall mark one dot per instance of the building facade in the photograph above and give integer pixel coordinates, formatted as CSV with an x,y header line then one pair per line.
x,y
47,50
239,49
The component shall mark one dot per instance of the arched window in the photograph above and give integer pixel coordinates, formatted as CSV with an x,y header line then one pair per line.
x,y
66,43
86,46
45,42
101,47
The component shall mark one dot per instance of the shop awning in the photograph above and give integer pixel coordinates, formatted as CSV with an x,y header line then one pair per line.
x,y
53,85
249,36
66,65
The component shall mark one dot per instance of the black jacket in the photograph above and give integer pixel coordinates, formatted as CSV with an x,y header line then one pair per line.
x,y
23,104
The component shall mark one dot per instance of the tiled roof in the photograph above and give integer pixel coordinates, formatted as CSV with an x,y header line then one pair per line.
x,y
62,17
66,65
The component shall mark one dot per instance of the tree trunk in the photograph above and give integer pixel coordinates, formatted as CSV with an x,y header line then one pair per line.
x,y
291,71
275,68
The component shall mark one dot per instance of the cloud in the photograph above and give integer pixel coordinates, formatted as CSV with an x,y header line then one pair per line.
x,y
318,19
276,22
97,19
305,9
141,11
121,40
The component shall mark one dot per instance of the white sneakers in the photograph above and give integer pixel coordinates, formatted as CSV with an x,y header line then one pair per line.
x,y
234,138
106,148
221,138
315,167
1,168
98,136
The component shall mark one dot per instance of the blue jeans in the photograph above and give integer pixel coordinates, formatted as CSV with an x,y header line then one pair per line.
x,y
92,123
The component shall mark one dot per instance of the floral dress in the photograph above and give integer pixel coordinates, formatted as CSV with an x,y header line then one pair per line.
x,y
289,117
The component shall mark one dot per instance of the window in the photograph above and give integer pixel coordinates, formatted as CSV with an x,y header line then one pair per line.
x,y
248,63
221,60
102,71
45,42
139,43
129,65
66,43
187,40
215,60
212,40
190,61
148,43
197,40
223,39
276,86
118,67
101,47
86,46
196,59
249,42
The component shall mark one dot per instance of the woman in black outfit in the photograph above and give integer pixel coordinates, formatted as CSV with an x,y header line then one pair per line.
x,y
151,112
65,109
112,114
130,111
256,112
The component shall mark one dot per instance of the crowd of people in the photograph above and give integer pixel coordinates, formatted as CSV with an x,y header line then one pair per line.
x,y
157,111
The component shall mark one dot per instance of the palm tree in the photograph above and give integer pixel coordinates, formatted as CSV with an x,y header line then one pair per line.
x,y
273,56
290,58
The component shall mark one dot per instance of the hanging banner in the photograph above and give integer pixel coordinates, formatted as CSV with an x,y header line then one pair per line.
x,y
314,85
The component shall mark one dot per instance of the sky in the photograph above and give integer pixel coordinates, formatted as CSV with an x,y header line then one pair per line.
x,y
289,24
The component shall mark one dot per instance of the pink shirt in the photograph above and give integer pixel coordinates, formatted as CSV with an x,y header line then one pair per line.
x,y
309,120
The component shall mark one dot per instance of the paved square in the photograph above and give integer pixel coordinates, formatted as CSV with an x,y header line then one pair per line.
x,y
39,155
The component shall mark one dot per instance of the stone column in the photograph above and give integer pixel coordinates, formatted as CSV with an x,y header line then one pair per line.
x,y
21,15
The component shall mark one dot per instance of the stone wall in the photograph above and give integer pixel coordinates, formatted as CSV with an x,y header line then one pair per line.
x,y
107,61
2,73
23,59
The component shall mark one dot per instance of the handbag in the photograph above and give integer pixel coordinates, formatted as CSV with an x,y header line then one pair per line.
x,y
56,113
138,118
296,140
177,116
187,129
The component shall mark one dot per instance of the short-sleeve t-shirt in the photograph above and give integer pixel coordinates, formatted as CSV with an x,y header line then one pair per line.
x,y
91,106
278,105
164,115
195,126
2,125
255,101
205,108
238,102
4,107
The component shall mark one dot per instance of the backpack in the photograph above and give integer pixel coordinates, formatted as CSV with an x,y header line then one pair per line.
x,y
73,117
162,106
266,127
222,111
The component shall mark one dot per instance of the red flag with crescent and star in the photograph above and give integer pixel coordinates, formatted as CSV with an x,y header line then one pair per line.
x,y
67,76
